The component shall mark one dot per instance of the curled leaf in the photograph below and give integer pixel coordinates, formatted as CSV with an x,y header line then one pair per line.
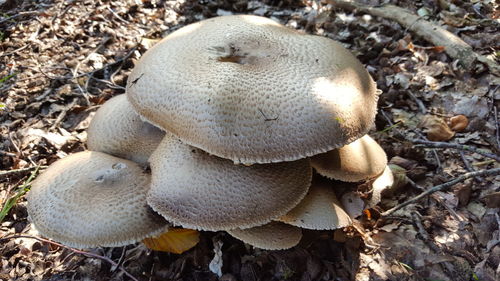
x,y
436,128
458,123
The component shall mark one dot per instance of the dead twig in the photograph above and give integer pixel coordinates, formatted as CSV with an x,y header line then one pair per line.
x,y
417,221
443,186
87,254
497,127
437,144
7,153
469,167
20,171
63,114
453,45
419,103
19,14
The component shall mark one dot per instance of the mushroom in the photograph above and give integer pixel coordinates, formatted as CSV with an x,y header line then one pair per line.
x,y
118,130
91,199
271,236
319,210
360,160
248,89
195,190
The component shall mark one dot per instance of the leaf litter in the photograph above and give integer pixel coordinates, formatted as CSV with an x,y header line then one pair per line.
x,y
61,60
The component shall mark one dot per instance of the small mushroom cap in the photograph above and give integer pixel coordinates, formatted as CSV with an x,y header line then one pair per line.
x,y
271,236
118,130
319,210
357,161
195,190
91,199
251,90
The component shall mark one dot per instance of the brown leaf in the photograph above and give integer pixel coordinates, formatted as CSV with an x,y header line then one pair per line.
x,y
463,192
458,123
436,128
492,200
175,241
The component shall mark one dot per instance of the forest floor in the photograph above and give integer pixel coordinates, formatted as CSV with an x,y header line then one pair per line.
x,y
59,60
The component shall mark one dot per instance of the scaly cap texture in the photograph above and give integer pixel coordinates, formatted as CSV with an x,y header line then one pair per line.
x,y
118,130
91,199
248,89
195,190
271,236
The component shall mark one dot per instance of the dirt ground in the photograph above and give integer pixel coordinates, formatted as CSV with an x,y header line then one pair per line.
x,y
60,60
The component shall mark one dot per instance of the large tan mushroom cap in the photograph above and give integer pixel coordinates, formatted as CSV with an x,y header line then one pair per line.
x,y
248,89
91,199
195,190
271,236
319,210
118,130
357,161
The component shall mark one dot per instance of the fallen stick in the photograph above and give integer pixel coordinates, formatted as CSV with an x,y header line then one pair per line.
x,y
76,251
453,45
443,186
19,171
437,144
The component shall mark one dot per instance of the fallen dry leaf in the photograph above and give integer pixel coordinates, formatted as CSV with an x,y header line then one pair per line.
x,y
435,128
177,241
458,123
492,200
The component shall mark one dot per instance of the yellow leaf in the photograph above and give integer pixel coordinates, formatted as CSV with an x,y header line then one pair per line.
x,y
176,240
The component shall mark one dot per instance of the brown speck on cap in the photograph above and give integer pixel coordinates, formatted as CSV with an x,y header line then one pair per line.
x,y
271,236
195,190
118,130
360,160
91,199
243,88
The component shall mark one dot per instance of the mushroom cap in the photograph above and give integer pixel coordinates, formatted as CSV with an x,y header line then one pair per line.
x,y
357,161
272,236
319,210
251,90
118,130
195,190
91,199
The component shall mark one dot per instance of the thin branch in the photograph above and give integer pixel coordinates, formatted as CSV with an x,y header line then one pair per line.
x,y
20,171
497,127
87,254
438,144
63,114
443,186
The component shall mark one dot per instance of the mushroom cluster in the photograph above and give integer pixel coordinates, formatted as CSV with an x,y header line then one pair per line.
x,y
231,114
